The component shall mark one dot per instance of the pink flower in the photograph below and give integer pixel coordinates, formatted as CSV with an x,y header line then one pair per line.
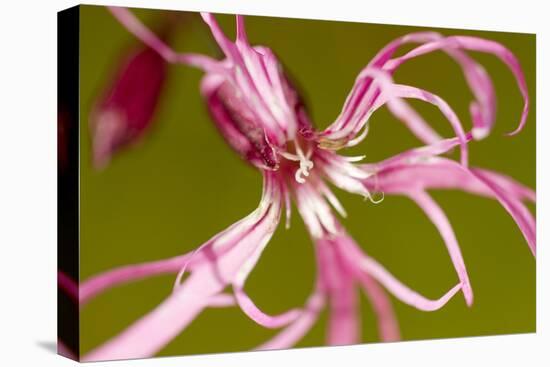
x,y
128,106
261,117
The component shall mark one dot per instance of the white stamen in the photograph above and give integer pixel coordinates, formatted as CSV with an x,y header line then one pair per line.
x,y
305,163
298,176
353,159
290,156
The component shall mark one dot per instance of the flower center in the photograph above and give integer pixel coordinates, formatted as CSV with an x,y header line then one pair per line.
x,y
302,157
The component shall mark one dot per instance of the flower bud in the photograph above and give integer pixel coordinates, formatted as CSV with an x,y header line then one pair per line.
x,y
129,104
240,125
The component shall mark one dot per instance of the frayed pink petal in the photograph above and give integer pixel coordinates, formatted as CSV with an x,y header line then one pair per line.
x,y
344,320
388,327
153,331
366,105
409,116
439,146
391,95
215,247
289,336
344,323
364,262
253,150
241,30
356,110
68,285
476,76
257,88
225,44
256,74
416,155
129,273
104,281
309,217
270,83
363,95
314,209
483,109
522,216
486,46
343,327
520,191
359,90
440,220
402,177
344,175
210,85
260,317
222,300
405,91
144,34
245,302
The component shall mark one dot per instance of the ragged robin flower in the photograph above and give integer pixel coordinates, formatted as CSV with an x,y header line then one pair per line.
x,y
261,116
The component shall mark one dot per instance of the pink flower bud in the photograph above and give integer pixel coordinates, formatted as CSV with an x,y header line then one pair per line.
x,y
129,104
238,122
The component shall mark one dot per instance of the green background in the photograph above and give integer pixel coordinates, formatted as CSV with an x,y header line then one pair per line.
x,y
183,184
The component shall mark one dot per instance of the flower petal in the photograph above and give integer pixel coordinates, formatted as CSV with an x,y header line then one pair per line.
x,y
479,82
367,264
405,91
222,300
289,336
215,247
339,283
402,177
118,276
258,81
483,109
245,302
144,34
377,84
261,318
391,94
237,126
440,220
416,155
314,210
523,217
520,191
153,331
358,105
388,327
133,25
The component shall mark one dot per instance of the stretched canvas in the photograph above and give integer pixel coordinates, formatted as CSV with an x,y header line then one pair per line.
x,y
232,183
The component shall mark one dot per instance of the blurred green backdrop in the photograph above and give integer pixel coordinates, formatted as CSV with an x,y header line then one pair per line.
x,y
183,184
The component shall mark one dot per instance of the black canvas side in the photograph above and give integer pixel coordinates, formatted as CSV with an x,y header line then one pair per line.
x,y
68,35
